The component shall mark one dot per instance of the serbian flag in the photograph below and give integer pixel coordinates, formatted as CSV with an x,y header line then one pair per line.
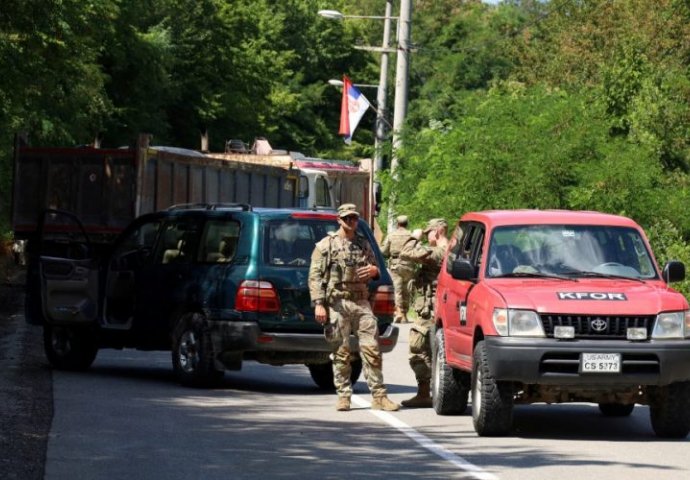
x,y
352,108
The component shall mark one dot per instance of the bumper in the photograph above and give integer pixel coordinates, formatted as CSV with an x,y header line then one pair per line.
x,y
246,336
554,362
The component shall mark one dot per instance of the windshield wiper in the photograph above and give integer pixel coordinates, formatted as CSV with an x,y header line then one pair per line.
x,y
590,274
534,275
604,275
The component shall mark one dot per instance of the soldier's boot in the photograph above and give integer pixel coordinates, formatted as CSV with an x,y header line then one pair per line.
x,y
422,399
343,404
384,403
399,316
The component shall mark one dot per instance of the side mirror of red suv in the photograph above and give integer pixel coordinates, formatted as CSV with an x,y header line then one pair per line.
x,y
674,271
462,269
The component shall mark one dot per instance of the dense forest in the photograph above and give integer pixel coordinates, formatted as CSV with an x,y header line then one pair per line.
x,y
575,104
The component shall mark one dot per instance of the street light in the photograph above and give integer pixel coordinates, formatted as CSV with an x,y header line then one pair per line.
x,y
339,83
384,50
336,15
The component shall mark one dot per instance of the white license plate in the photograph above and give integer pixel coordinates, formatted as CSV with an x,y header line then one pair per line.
x,y
600,363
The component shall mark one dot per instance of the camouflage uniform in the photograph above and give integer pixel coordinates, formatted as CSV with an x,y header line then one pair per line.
x,y
333,280
402,271
425,283
430,257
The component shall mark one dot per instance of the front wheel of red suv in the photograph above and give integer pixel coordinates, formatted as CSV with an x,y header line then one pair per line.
x,y
492,401
449,387
192,353
669,410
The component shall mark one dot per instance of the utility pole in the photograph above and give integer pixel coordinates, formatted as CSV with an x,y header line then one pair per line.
x,y
381,93
377,165
401,78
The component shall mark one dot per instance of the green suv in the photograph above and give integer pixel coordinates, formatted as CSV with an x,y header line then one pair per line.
x,y
214,284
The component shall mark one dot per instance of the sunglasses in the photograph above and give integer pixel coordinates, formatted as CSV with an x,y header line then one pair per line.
x,y
350,218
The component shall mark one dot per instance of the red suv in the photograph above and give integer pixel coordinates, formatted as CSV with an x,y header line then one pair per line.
x,y
559,306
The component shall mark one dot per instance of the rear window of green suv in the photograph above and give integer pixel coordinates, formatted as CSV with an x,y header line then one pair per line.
x,y
291,241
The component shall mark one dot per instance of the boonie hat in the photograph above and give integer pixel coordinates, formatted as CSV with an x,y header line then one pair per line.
x,y
435,223
402,219
347,209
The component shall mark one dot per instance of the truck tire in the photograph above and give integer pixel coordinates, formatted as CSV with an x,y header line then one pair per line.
x,y
69,348
492,401
192,353
669,410
616,409
449,387
322,373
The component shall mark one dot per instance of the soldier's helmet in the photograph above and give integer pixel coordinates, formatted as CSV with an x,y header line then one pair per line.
x,y
435,223
402,219
347,209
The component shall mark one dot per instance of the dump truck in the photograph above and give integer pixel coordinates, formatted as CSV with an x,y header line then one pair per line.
x,y
108,188
322,182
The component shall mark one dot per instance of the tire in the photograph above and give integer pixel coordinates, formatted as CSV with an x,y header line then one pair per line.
x,y
449,387
616,409
669,410
322,373
69,348
492,401
192,353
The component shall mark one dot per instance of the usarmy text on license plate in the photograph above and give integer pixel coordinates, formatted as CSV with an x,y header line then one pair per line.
x,y
600,363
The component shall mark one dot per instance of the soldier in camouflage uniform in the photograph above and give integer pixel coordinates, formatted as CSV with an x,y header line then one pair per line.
x,y
430,257
402,271
341,266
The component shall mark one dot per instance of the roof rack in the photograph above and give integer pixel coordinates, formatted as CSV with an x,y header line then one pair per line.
x,y
245,207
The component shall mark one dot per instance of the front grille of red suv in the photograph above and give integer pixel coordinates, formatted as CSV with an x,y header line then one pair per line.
x,y
591,326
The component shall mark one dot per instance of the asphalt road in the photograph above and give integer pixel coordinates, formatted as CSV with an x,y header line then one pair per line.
x,y
127,418
26,397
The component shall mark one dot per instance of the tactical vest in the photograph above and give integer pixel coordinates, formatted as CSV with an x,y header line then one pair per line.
x,y
344,258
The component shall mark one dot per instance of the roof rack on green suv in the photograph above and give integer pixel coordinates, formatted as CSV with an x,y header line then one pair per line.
x,y
210,206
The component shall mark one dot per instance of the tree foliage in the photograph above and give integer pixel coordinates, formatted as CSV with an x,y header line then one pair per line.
x,y
590,112
575,104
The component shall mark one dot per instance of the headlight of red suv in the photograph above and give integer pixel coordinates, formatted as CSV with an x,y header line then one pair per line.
x,y
672,325
517,323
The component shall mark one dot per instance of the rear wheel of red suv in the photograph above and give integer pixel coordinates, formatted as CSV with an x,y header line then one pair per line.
x,y
492,401
322,373
192,353
449,387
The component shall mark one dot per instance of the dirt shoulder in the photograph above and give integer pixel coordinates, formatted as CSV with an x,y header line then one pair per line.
x,y
26,387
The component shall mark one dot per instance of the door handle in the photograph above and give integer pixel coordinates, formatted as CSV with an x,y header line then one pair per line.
x,y
444,297
462,313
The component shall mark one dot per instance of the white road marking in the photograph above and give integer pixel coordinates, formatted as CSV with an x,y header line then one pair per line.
x,y
426,442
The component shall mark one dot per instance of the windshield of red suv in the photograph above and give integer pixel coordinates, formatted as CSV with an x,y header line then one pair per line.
x,y
569,250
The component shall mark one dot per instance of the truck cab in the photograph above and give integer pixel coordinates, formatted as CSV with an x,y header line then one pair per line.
x,y
315,189
559,306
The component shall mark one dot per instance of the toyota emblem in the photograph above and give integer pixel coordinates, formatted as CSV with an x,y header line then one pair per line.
x,y
598,324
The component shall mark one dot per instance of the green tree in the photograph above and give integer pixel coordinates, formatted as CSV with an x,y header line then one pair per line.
x,y
52,86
